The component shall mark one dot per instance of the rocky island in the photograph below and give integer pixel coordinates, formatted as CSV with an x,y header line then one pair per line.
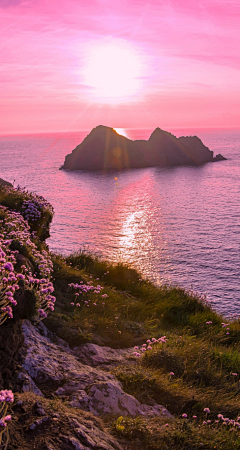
x,y
104,149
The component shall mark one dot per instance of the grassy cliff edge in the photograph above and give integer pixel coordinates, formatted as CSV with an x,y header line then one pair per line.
x,y
185,355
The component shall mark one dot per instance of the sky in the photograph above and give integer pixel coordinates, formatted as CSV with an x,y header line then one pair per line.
x,y
71,65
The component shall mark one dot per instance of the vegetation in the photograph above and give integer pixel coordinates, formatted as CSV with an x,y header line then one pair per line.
x,y
186,356
194,365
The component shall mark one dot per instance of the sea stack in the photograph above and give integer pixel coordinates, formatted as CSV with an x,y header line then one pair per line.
x,y
104,149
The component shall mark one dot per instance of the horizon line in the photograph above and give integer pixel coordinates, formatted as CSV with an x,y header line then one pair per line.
x,y
25,133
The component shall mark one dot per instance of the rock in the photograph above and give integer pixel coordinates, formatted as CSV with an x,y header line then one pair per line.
x,y
38,408
95,355
52,367
71,429
219,157
40,423
92,437
23,261
5,183
105,149
27,384
11,340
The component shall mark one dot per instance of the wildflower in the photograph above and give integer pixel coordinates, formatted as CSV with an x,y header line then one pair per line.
x,y
20,276
206,410
184,416
194,417
8,266
42,313
234,374
171,373
6,396
7,418
209,322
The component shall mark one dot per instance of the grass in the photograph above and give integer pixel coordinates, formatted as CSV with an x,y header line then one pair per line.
x,y
197,366
200,350
154,434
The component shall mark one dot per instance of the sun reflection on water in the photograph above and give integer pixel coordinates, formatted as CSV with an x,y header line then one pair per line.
x,y
139,237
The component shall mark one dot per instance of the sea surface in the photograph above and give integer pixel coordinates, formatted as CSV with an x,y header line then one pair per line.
x,y
179,225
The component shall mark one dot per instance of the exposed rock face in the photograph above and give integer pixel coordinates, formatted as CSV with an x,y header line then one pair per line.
x,y
11,339
5,183
104,357
104,149
55,369
63,429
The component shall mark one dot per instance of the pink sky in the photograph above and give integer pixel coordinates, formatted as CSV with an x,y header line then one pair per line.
x,y
188,52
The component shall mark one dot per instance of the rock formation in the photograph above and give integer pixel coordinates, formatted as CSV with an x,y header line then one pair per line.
x,y
105,149
5,183
52,367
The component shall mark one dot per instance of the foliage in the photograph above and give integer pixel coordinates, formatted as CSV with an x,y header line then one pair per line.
x,y
25,263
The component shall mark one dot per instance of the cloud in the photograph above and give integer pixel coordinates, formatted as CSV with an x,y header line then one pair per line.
x,y
10,3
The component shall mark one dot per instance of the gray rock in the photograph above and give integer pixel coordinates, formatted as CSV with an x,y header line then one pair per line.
x,y
85,387
95,355
28,384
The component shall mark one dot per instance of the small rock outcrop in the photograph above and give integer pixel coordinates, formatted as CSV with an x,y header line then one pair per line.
x,y
5,183
61,429
50,367
104,149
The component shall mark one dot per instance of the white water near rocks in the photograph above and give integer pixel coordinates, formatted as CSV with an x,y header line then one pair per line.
x,y
178,225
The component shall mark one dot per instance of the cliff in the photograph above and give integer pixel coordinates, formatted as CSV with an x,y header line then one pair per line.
x,y
105,149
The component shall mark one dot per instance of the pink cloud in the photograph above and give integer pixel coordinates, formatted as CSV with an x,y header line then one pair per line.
x,y
190,51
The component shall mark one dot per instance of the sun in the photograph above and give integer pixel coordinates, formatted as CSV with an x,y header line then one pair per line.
x,y
113,72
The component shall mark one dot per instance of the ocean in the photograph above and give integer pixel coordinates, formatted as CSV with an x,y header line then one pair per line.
x,y
179,226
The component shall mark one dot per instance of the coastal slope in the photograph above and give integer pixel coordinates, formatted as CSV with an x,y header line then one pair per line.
x,y
105,149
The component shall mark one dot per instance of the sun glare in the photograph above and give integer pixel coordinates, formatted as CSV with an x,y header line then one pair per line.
x,y
113,71
121,131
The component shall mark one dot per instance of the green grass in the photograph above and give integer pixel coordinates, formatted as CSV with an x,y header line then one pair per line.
x,y
202,356
155,434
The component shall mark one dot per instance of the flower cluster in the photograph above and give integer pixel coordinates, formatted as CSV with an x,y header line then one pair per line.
x,y
220,421
15,229
6,397
84,293
35,207
149,344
